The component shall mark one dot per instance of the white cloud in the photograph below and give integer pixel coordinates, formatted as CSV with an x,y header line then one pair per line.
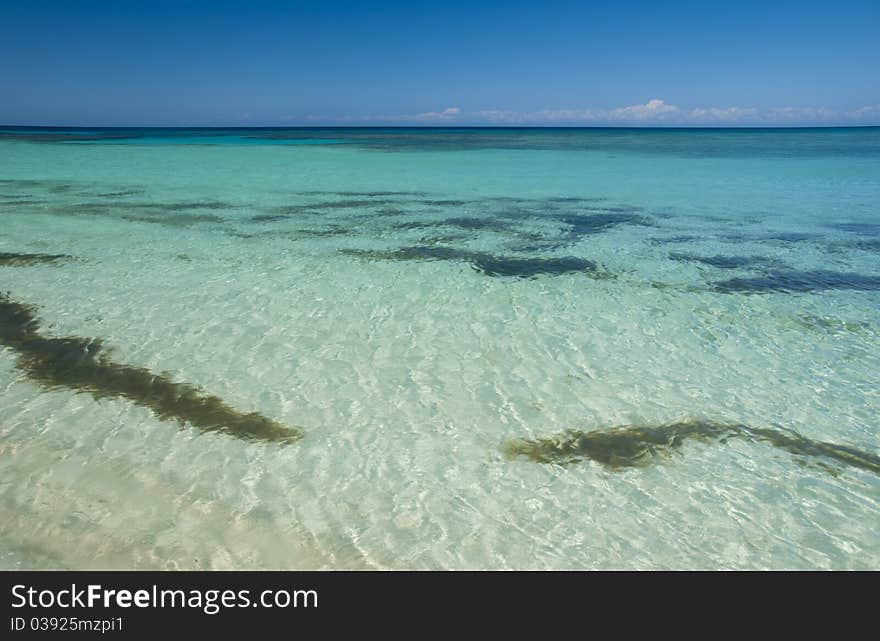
x,y
870,113
652,112
450,113
715,115
659,112
654,109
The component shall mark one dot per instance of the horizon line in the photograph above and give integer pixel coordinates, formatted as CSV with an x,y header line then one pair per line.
x,y
428,126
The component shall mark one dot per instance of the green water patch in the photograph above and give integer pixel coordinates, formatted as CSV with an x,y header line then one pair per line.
x,y
794,282
488,264
637,446
82,365
17,259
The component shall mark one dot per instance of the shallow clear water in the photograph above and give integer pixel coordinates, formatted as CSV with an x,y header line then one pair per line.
x,y
391,294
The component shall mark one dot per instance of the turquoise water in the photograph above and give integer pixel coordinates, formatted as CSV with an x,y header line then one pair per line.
x,y
410,301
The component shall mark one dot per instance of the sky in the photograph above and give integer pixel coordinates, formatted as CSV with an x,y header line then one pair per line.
x,y
504,62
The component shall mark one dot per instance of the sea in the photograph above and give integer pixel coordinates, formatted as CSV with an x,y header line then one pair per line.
x,y
439,348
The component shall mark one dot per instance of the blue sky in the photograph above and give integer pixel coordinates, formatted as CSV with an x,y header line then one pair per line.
x,y
383,63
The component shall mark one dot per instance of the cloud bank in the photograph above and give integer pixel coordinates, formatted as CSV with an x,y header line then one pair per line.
x,y
654,112
450,114
659,112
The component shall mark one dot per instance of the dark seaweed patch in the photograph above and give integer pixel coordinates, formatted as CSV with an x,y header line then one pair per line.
x,y
329,230
673,240
176,220
726,262
7,258
331,205
628,446
783,237
182,206
864,229
171,208
488,264
171,214
573,199
821,323
799,445
539,246
576,225
443,239
475,224
597,223
22,201
445,202
362,194
49,137
789,237
527,267
637,446
389,211
26,183
268,218
118,194
798,282
81,365
62,188
866,245
347,203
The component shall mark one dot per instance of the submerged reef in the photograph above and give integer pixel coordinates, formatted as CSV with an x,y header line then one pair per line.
x,y
488,264
638,446
81,364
